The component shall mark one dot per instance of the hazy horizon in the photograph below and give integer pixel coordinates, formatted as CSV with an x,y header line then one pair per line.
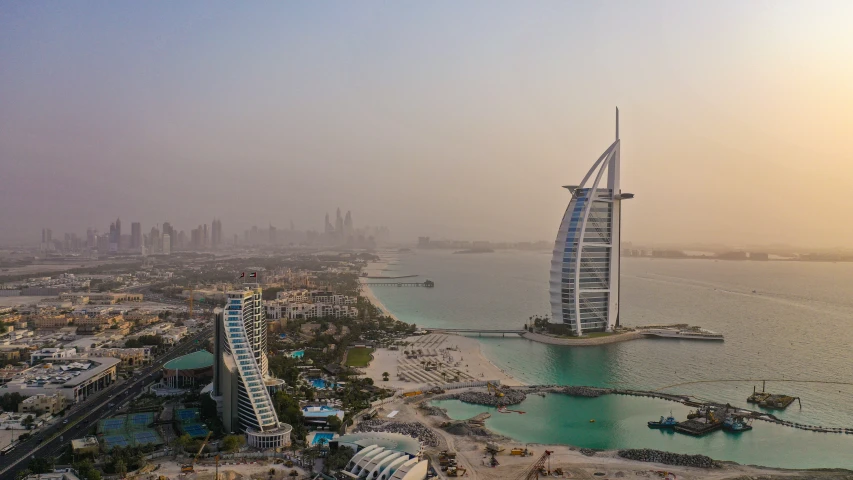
x,y
444,119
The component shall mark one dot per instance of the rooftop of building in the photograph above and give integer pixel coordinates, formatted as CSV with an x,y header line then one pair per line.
x,y
60,373
191,361
390,441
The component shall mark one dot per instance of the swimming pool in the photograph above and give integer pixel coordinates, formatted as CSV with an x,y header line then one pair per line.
x,y
323,437
318,383
298,354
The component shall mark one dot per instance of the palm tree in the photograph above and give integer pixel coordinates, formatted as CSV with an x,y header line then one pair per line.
x,y
385,376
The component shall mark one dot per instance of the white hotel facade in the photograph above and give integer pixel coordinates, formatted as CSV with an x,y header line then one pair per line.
x,y
584,284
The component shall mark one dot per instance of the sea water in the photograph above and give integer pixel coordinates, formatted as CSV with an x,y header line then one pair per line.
x,y
781,320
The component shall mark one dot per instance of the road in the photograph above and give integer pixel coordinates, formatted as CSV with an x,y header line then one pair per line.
x,y
49,442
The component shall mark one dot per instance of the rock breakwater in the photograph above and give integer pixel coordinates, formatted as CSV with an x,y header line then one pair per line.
x,y
510,397
412,429
666,458
590,392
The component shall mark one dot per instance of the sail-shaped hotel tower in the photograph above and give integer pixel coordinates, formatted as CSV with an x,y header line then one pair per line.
x,y
584,282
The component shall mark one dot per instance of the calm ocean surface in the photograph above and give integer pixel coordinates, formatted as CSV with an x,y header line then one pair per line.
x,y
796,326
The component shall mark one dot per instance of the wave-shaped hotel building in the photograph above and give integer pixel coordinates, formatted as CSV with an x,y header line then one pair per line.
x,y
584,282
242,386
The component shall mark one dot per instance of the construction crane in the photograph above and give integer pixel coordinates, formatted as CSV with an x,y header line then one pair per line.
x,y
494,389
538,468
190,467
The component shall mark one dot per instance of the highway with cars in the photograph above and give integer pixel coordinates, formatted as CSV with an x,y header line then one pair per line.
x,y
48,442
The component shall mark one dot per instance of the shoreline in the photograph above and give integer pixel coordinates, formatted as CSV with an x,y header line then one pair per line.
x,y
582,342
472,346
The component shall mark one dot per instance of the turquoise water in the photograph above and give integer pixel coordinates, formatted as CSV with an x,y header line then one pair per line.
x,y
620,422
319,383
298,354
322,436
794,327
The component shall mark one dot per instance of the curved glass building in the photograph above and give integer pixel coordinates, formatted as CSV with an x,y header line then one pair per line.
x,y
584,282
241,384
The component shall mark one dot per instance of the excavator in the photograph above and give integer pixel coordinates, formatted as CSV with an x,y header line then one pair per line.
x,y
189,467
493,389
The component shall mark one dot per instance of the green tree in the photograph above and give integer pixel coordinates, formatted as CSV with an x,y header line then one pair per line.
x,y
28,422
120,468
338,459
385,376
40,465
232,443
183,441
333,422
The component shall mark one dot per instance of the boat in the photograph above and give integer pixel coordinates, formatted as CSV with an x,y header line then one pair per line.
x,y
686,334
737,424
668,422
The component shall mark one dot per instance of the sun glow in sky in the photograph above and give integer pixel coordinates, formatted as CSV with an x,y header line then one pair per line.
x,y
449,119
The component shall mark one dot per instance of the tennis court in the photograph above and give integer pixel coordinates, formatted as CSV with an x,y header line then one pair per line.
x,y
138,421
112,425
129,430
112,441
195,430
145,437
188,415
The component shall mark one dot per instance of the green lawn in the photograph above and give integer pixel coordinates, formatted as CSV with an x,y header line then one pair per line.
x,y
359,356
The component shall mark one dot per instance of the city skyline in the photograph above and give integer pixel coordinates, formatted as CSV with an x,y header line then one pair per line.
x,y
429,129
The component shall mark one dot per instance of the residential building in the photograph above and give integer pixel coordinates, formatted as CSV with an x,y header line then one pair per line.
x,y
41,403
129,357
297,311
85,446
48,354
49,321
241,384
584,285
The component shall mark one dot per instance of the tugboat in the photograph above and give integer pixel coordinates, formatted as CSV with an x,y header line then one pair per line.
x,y
737,424
668,422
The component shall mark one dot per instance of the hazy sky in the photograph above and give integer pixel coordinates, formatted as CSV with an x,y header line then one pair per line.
x,y
442,118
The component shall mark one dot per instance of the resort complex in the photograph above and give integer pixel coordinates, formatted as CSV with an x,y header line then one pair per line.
x,y
584,284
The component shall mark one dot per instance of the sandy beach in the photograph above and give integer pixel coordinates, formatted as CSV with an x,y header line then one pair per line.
x,y
459,356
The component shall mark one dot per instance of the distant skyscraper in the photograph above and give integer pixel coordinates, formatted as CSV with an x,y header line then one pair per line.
x,y
118,234
90,238
272,233
167,244
348,225
339,226
135,236
154,240
169,230
328,228
205,237
216,233
113,238
584,282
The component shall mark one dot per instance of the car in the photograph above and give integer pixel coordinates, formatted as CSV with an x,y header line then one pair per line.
x,y
65,421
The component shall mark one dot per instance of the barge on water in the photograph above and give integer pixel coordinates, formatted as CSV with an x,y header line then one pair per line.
x,y
685,334
772,400
698,427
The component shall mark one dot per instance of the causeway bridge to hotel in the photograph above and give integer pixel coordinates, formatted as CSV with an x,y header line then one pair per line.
x,y
478,331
